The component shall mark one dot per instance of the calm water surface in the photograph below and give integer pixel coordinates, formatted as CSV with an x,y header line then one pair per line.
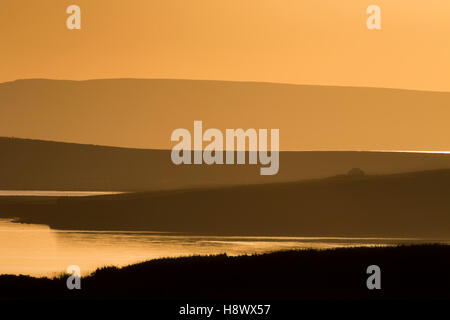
x,y
40,251
46,193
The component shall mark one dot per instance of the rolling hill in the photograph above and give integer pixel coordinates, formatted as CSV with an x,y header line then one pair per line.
x,y
43,165
142,113
400,205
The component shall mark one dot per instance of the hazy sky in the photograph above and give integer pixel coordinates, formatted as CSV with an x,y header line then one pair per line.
x,y
293,41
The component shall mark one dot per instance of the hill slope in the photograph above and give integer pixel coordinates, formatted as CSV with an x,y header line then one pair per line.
x,y
143,113
409,272
400,205
43,165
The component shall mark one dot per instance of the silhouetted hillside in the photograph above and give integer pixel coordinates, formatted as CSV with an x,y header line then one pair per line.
x,y
401,205
407,272
43,165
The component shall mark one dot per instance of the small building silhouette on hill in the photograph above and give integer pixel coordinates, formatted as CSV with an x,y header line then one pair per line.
x,y
355,172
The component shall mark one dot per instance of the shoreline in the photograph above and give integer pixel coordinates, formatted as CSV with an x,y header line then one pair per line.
x,y
407,272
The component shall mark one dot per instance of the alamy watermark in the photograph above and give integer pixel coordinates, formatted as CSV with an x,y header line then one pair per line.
x,y
218,152
374,20
374,280
74,280
73,22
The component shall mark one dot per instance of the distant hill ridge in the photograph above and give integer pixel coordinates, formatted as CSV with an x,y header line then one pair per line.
x,y
143,113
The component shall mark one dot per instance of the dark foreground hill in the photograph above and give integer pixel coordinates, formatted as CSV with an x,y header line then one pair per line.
x,y
401,205
43,165
407,272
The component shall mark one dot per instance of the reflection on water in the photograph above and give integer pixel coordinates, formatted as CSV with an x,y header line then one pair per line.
x,y
38,250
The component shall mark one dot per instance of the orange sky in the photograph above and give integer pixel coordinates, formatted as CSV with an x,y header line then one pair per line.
x,y
293,41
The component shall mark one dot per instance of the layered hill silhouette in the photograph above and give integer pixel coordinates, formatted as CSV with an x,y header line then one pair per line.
x,y
226,199
43,165
143,113
400,205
